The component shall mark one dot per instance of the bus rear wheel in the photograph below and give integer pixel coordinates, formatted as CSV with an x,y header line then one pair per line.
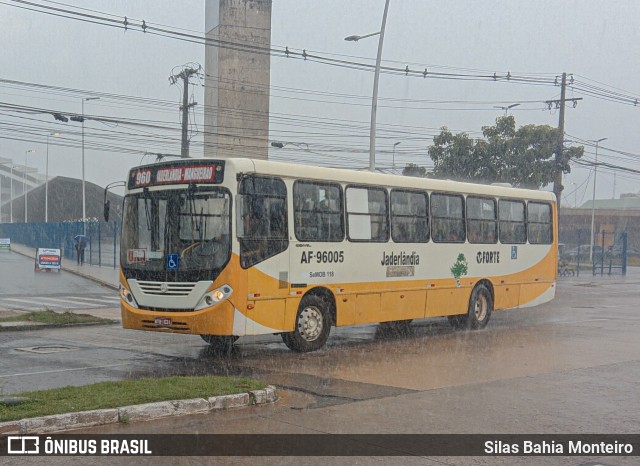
x,y
220,344
312,327
480,308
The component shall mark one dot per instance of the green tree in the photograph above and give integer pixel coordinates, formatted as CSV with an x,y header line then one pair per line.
x,y
524,157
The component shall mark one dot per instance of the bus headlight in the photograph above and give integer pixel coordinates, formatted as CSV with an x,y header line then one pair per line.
x,y
214,297
127,296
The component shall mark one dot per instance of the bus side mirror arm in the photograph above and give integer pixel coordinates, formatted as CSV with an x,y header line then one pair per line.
x,y
107,202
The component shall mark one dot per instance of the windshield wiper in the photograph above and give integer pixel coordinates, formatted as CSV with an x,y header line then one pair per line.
x,y
197,220
147,213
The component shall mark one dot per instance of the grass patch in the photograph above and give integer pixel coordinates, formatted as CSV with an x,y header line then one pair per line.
x,y
124,393
56,318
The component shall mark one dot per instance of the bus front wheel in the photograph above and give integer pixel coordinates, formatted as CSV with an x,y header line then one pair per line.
x,y
312,326
457,321
218,343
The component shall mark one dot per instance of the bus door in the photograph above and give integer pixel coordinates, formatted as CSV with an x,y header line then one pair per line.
x,y
318,255
264,251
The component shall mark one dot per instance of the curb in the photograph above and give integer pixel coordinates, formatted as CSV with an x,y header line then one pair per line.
x,y
30,326
136,413
93,279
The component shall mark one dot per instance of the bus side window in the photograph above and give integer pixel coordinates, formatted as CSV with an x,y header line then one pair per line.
x,y
447,218
539,223
481,220
512,221
265,222
318,211
409,216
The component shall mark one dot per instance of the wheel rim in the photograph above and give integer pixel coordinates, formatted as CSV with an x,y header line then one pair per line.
x,y
310,323
481,308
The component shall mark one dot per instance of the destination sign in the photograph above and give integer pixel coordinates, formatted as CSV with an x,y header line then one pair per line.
x,y
177,173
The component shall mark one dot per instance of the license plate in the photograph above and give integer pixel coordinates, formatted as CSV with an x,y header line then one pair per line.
x,y
163,321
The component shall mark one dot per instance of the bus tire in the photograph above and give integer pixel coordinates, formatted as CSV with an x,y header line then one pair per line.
x,y
312,326
219,344
397,327
480,308
457,321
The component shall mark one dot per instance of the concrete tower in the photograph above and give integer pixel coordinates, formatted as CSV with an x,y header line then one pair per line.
x,y
237,78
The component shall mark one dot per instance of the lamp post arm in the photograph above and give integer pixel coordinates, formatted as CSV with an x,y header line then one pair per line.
x,y
356,38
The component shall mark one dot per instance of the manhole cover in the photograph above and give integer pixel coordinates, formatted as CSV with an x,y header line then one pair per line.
x,y
47,349
594,463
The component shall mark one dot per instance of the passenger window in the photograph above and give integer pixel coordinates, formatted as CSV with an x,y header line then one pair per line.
x,y
263,230
367,214
317,211
482,224
409,217
512,222
447,218
539,224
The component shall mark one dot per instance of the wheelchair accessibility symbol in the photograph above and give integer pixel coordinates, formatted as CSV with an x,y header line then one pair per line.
x,y
172,261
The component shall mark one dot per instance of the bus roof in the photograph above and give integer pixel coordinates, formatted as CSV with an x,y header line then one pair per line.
x,y
291,170
365,177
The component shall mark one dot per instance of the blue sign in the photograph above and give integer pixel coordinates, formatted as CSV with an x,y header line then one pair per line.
x,y
514,252
172,261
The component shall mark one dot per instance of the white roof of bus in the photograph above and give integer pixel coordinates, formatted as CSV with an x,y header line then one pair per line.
x,y
286,170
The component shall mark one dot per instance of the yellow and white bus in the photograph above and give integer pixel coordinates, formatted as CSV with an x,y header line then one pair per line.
x,y
235,247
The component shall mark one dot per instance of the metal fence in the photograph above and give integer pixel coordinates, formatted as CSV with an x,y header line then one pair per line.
x,y
609,255
103,247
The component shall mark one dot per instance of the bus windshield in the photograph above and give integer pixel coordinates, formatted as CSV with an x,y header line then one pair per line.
x,y
176,235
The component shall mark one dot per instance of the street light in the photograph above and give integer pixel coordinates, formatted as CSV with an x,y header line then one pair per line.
x,y
26,193
46,181
376,77
11,189
84,199
280,145
507,108
593,201
3,161
393,163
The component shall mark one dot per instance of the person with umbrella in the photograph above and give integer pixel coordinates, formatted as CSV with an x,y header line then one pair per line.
x,y
81,244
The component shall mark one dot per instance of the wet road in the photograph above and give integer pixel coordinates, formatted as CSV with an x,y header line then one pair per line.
x,y
570,366
22,289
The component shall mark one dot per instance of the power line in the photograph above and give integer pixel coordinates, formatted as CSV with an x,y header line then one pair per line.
x,y
149,28
416,70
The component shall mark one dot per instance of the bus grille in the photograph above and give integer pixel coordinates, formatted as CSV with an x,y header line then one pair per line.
x,y
166,288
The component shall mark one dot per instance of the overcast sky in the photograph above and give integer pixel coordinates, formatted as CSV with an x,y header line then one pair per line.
x,y
327,108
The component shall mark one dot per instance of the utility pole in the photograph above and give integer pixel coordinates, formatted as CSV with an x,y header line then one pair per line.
x,y
557,184
560,104
185,74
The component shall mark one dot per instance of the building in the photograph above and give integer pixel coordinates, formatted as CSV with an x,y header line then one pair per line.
x,y
237,67
610,215
64,203
14,180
